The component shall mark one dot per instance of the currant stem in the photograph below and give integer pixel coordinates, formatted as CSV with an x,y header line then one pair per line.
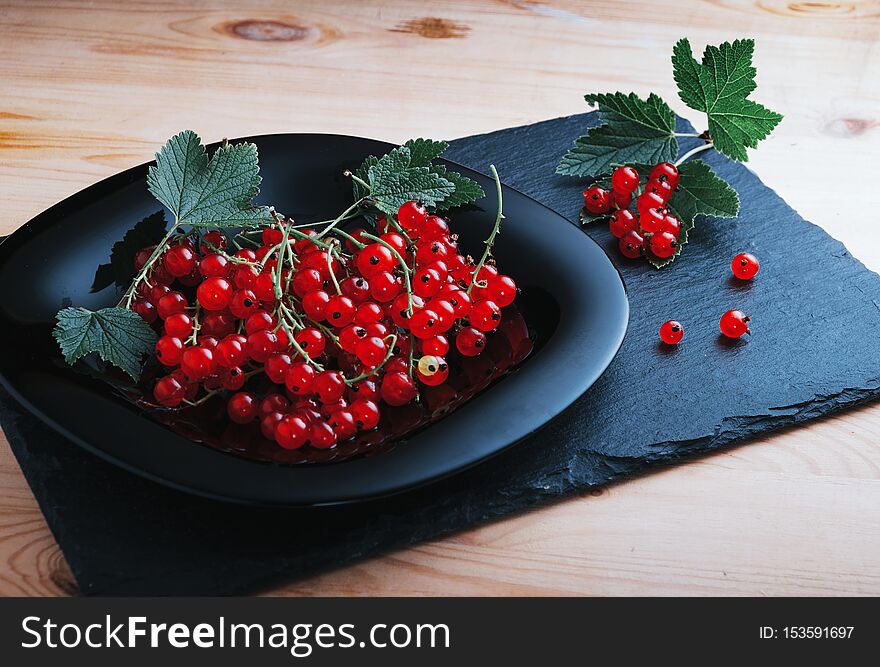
x,y
491,240
339,218
128,297
694,151
358,180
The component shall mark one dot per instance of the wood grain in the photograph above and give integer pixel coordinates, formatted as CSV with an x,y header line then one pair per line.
x,y
93,88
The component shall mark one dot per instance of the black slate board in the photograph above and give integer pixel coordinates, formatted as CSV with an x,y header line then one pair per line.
x,y
814,350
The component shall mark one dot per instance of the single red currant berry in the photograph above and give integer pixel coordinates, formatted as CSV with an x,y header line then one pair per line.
x,y
734,323
412,215
264,286
214,265
292,432
368,313
197,362
142,256
312,341
244,276
217,323
648,200
665,171
435,227
445,314
343,424
170,304
436,345
393,239
485,315
371,351
470,341
259,320
624,180
374,259
651,220
745,266
213,241
276,367
169,350
671,332
340,311
299,378
365,413
329,386
272,236
596,200
384,287
243,304
355,288
169,392
424,323
315,305
350,336
231,351
268,424
460,300
146,310
242,407
214,293
398,389
322,435
366,388
671,225
432,370
179,261
426,282
233,378
631,245
431,252
305,281
663,245
621,222
179,325
262,344
660,188
274,403
621,201
502,290
156,292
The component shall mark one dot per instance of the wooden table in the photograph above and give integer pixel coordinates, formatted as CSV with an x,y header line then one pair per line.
x,y
89,89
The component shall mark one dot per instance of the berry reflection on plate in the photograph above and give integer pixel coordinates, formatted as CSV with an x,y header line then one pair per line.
x,y
293,342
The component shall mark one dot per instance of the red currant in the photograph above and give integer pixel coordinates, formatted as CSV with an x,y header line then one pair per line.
x,y
371,351
340,311
485,315
355,288
596,200
621,222
470,341
179,261
366,388
197,362
232,379
259,320
651,220
671,332
179,325
243,303
397,389
424,323
274,403
384,287
365,413
214,293
305,281
412,215
169,350
312,341
292,432
734,323
660,188
242,407
393,239
432,370
169,392
663,245
620,200
276,367
648,200
368,313
745,266
631,245
435,227
671,225
213,241
322,435
268,424
502,290
146,310
436,345
264,286
315,305
426,282
214,265
343,424
665,171
299,378
329,386
624,180
373,259
262,344
350,336
231,351
171,304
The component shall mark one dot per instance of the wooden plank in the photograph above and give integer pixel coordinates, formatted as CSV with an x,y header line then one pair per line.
x,y
90,89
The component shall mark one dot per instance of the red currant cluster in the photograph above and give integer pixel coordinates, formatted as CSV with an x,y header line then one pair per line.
x,y
652,228
733,323
344,321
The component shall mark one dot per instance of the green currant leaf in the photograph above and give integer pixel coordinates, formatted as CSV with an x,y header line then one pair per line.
x,y
466,191
118,335
120,270
587,218
700,192
203,192
632,130
720,86
393,181
423,151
